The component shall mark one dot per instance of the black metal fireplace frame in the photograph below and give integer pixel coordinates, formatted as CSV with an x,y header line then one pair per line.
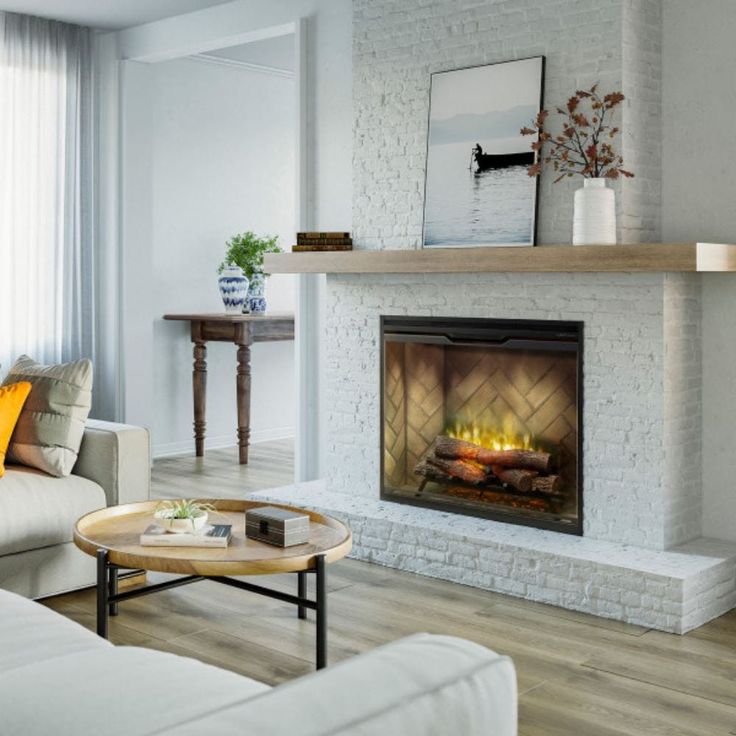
x,y
528,331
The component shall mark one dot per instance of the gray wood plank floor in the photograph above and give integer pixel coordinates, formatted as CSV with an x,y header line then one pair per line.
x,y
578,674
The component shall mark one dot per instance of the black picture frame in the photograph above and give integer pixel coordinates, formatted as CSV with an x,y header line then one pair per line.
x,y
454,199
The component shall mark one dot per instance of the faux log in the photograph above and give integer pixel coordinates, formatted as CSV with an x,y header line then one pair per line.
x,y
430,472
465,470
517,477
436,466
549,484
435,473
450,448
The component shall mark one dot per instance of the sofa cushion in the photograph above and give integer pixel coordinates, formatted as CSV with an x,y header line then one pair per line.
x,y
38,510
50,428
31,633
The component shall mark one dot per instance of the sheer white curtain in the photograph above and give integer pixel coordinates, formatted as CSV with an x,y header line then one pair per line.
x,y
47,259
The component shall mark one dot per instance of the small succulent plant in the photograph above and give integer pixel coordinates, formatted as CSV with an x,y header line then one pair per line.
x,y
182,509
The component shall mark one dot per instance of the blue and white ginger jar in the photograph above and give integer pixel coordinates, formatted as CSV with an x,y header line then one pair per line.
x,y
256,294
233,289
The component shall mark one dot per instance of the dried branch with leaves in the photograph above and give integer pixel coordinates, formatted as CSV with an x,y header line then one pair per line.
x,y
584,147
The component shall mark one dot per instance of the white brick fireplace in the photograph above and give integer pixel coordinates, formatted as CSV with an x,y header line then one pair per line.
x,y
642,557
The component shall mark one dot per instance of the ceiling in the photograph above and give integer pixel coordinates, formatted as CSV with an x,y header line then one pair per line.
x,y
107,14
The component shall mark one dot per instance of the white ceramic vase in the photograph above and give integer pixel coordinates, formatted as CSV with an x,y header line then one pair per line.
x,y
594,220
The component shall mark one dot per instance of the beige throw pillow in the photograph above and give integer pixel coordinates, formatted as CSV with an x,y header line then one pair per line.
x,y
50,428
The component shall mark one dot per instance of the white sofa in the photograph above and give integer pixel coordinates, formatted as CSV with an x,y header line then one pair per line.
x,y
38,512
58,678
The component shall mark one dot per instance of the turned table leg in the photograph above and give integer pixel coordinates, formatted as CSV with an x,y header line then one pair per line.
x,y
199,382
243,391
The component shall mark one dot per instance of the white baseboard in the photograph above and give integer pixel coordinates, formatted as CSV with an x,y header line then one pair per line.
x,y
186,447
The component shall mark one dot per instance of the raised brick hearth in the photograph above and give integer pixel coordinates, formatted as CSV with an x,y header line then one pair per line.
x,y
675,590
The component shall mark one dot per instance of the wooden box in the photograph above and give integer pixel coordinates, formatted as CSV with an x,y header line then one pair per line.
x,y
277,526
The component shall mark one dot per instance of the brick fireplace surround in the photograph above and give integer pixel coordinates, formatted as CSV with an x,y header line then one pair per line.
x,y
641,558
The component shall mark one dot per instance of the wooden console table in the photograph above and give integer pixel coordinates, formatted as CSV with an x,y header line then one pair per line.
x,y
243,330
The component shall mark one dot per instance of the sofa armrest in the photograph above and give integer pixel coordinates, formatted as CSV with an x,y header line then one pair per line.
x,y
118,458
417,686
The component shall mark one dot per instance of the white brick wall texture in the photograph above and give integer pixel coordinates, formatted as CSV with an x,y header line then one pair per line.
x,y
640,201
682,420
642,372
397,45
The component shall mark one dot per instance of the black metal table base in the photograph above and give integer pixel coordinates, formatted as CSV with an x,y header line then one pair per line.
x,y
108,596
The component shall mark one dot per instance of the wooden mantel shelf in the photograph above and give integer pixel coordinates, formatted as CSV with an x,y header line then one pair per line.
x,y
644,257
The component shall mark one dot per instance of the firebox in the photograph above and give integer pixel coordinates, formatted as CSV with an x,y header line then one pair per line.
x,y
484,417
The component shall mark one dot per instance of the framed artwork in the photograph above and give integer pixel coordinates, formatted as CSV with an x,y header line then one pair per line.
x,y
477,191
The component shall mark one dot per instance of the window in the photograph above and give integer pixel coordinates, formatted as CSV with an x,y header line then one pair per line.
x,y
47,280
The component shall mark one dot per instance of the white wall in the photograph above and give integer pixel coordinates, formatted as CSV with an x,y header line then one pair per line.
x,y
107,91
328,77
272,52
136,246
328,164
222,157
698,193
209,152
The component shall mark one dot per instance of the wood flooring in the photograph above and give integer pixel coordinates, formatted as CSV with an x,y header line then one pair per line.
x,y
578,675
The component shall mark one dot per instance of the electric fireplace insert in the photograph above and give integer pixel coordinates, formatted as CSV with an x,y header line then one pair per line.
x,y
484,417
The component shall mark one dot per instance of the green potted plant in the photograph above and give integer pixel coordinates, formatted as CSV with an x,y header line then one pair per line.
x,y
247,250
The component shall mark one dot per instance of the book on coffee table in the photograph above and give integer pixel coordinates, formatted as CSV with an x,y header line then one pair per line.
x,y
211,535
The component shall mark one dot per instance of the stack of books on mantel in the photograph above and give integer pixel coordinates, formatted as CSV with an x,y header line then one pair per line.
x,y
317,241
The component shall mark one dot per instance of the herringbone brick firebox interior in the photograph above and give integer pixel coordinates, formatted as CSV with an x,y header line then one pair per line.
x,y
482,417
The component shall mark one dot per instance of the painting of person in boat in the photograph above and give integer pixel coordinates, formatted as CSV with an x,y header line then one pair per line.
x,y
486,161
477,188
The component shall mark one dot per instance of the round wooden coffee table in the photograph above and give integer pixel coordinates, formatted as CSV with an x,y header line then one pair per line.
x,y
112,535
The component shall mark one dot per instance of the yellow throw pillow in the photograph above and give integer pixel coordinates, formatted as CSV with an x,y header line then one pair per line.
x,y
12,398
